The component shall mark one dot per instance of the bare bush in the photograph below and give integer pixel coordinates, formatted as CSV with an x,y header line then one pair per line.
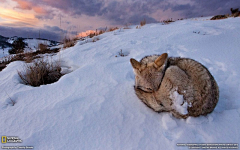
x,y
42,47
29,57
112,29
91,35
167,21
122,54
40,73
218,17
101,32
68,43
143,22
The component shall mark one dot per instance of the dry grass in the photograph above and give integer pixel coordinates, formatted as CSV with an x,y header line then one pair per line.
x,y
218,17
121,54
112,29
143,22
91,35
27,57
40,73
69,42
11,100
42,47
167,21
101,32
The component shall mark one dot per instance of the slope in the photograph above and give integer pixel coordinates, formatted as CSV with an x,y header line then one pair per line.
x,y
94,106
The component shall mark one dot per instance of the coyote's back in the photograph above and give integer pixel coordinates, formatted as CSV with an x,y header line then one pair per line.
x,y
181,86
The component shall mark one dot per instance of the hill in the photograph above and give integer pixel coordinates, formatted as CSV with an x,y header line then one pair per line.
x,y
95,107
32,44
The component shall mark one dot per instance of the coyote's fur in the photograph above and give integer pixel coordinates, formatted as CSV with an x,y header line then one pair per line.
x,y
158,78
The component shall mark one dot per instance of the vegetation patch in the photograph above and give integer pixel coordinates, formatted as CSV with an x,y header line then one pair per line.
x,y
27,57
17,46
69,42
234,13
218,17
168,21
122,54
41,72
143,22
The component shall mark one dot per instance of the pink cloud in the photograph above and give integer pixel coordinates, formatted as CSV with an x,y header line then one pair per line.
x,y
41,11
24,4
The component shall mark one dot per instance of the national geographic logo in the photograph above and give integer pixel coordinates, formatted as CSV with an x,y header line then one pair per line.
x,y
11,139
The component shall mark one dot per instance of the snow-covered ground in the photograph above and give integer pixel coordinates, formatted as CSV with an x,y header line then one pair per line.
x,y
32,45
95,108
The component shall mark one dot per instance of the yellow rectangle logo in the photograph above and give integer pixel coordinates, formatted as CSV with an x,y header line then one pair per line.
x,y
4,139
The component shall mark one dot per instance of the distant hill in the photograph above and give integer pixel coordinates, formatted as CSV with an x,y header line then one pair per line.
x,y
4,42
31,44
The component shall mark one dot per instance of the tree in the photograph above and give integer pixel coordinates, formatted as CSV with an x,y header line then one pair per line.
x,y
17,46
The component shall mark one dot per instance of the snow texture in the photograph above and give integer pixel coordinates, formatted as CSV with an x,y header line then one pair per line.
x,y
94,107
178,103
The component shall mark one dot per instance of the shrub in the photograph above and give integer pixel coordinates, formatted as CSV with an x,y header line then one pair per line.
x,y
122,54
68,42
217,17
91,35
143,22
167,21
29,57
40,73
17,46
112,29
42,47
101,32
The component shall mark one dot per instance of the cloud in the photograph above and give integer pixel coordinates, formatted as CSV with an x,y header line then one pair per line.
x,y
205,8
42,11
82,15
12,17
125,11
52,33
23,4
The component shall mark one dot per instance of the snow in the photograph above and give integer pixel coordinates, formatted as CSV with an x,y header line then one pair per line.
x,y
178,103
95,107
32,45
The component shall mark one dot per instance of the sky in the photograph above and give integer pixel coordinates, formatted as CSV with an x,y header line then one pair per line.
x,y
56,19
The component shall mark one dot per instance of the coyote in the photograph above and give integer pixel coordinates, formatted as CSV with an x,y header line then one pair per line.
x,y
181,86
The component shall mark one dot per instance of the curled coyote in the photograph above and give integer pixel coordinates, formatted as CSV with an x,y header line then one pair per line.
x,y
181,86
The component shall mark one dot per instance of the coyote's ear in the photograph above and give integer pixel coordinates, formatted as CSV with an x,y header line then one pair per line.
x,y
161,59
135,64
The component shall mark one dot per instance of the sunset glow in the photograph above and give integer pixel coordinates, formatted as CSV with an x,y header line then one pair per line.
x,y
74,17
17,19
